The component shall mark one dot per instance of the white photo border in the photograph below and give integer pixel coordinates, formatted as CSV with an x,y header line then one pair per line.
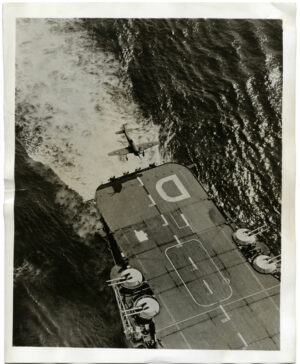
x,y
285,12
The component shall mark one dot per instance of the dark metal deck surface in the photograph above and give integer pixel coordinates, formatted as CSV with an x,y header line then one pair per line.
x,y
210,296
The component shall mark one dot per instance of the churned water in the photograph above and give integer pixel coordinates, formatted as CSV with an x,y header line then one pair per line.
x,y
71,101
210,92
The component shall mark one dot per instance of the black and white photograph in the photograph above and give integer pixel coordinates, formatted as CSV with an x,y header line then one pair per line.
x,y
148,183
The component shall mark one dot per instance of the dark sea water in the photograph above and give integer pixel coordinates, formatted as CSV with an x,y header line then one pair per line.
x,y
60,294
213,88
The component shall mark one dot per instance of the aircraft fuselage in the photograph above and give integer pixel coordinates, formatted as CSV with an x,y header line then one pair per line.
x,y
133,148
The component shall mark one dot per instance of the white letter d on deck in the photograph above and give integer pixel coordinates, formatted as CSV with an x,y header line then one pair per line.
x,y
183,193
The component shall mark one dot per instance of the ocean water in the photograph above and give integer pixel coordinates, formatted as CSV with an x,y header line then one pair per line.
x,y
210,92
61,263
71,101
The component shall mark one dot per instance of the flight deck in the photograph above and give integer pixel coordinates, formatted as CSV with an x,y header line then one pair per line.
x,y
210,297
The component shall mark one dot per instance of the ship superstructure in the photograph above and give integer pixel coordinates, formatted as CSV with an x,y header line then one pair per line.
x,y
185,276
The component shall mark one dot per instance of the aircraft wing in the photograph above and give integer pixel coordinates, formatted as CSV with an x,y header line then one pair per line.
x,y
144,146
122,151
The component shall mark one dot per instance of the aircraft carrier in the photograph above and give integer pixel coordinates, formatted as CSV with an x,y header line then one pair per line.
x,y
185,276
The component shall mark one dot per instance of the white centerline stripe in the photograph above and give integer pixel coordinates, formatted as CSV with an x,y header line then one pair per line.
x,y
151,199
193,264
207,286
182,280
185,220
141,182
227,318
164,220
178,241
242,339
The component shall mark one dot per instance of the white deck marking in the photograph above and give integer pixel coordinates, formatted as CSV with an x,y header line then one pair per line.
x,y
183,218
193,264
207,286
183,193
242,339
212,261
179,330
153,203
227,318
216,308
261,285
164,220
185,178
141,182
257,280
187,319
175,324
141,235
251,295
179,243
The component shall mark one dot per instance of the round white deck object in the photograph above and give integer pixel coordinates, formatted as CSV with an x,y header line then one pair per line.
x,y
262,264
134,278
241,237
149,306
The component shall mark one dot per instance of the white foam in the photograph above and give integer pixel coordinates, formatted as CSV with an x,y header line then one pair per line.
x,y
72,102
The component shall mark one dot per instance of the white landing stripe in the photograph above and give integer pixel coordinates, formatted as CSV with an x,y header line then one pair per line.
x,y
178,241
141,182
185,220
242,339
164,220
176,325
207,286
227,318
193,264
151,199
261,285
